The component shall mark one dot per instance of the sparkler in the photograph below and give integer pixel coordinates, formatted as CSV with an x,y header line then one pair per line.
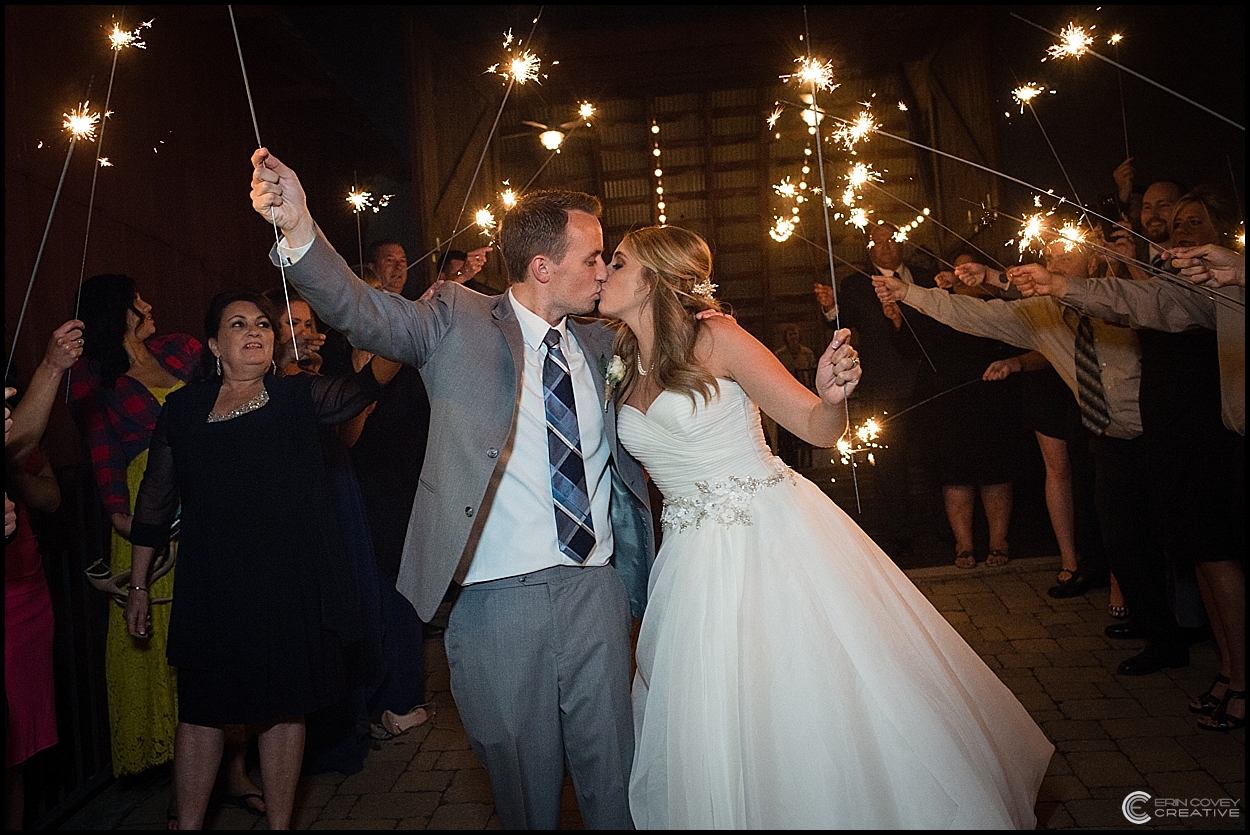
x,y
119,40
1073,42
507,197
1025,93
772,119
853,132
783,228
866,434
485,219
80,123
586,111
519,67
813,73
1136,74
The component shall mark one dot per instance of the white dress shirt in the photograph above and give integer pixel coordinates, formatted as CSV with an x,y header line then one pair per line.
x,y
519,536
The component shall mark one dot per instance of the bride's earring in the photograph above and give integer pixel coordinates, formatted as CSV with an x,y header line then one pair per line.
x,y
218,366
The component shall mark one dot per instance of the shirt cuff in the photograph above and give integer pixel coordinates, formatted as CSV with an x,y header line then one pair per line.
x,y
288,255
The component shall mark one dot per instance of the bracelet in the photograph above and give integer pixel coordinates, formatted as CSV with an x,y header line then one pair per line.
x,y
138,588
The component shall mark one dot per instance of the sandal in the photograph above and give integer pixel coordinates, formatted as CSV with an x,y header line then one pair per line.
x,y
1208,701
248,802
1117,612
1220,719
965,559
1065,576
395,724
996,558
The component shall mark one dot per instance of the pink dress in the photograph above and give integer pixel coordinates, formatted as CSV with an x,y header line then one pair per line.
x,y
27,648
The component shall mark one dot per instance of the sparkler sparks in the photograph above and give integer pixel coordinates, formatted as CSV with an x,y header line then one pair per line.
x,y
813,73
119,40
853,132
586,110
104,162
1073,42
786,188
485,219
783,228
1071,235
772,119
858,218
1115,39
81,123
1031,232
362,200
520,67
1025,93
507,197
860,174
866,434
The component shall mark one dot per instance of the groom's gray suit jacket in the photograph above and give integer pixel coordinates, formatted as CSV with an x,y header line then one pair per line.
x,y
470,352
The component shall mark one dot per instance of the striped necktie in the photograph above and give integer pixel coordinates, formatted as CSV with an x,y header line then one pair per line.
x,y
1090,395
574,527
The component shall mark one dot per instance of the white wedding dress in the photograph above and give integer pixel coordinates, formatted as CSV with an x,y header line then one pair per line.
x,y
789,675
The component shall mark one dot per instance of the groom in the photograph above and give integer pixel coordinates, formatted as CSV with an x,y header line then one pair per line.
x,y
526,498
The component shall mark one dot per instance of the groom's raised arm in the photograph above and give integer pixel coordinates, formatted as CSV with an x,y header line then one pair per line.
x,y
382,323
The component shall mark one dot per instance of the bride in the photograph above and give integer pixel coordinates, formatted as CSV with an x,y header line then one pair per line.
x,y
789,675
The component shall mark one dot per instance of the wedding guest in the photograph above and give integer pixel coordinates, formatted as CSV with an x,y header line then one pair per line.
x,y
265,605
117,389
29,699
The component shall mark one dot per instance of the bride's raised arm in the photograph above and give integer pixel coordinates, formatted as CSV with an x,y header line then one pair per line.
x,y
728,351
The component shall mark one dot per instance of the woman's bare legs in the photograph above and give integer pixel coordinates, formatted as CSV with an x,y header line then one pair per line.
x,y
1059,497
281,757
197,756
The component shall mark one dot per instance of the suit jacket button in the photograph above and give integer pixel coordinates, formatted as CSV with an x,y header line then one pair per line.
x,y
468,511
492,453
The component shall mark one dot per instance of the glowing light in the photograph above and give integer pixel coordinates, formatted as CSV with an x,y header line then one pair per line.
x,y
507,197
551,139
586,111
485,219
361,200
866,435
853,132
1025,93
81,123
812,73
772,119
786,188
1073,42
783,228
104,162
858,218
1115,39
519,67
1031,232
860,174
1071,235
902,106
119,40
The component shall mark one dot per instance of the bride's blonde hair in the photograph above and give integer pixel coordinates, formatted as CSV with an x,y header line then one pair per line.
x,y
677,266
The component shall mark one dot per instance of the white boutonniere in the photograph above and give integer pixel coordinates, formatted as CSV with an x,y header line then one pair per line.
x,y
613,373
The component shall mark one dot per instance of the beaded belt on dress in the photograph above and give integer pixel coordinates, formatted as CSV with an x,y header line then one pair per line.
x,y
723,502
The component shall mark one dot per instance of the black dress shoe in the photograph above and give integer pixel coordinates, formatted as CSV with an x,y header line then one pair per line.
x,y
1076,585
1154,658
1124,632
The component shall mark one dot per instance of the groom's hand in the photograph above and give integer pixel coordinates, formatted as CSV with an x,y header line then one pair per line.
x,y
279,198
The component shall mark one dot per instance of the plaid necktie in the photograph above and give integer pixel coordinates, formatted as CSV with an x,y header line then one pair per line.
x,y
574,526
1090,396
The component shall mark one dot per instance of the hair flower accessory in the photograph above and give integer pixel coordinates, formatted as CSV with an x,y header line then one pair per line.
x,y
704,288
613,373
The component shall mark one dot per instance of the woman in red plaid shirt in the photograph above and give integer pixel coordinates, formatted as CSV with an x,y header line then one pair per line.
x,y
117,390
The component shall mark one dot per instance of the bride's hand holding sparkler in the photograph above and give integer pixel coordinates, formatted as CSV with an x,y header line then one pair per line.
x,y
838,371
1036,280
1209,264
279,198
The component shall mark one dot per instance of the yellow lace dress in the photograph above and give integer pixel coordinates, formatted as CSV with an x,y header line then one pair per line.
x,y
142,687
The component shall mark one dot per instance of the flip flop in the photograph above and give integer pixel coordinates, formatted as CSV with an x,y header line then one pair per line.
x,y
244,801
